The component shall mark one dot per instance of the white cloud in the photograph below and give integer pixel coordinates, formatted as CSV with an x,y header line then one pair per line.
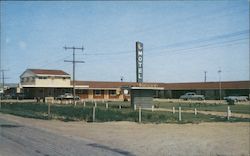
x,y
7,40
22,45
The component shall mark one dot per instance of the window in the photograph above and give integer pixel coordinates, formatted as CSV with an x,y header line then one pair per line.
x,y
80,91
41,77
112,92
98,92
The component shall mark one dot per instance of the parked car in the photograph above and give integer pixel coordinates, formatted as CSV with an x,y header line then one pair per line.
x,y
192,96
236,98
18,96
67,96
6,96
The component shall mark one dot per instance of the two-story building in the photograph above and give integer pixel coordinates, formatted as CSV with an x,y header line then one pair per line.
x,y
42,83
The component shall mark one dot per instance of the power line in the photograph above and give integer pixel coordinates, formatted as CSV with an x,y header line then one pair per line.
x,y
189,18
213,38
211,45
193,17
203,46
181,20
206,46
181,51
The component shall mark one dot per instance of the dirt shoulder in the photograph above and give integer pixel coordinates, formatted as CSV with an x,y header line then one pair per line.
x,y
154,139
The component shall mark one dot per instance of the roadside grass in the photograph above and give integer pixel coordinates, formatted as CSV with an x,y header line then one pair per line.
x,y
113,113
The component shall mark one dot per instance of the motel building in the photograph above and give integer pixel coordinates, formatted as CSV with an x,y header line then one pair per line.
x,y
52,83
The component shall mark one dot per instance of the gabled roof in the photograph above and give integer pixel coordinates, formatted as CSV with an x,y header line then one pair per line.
x,y
47,72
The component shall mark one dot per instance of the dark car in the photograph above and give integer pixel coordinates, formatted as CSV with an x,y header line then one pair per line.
x,y
6,97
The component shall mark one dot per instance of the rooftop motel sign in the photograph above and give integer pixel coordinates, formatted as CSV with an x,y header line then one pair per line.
x,y
139,62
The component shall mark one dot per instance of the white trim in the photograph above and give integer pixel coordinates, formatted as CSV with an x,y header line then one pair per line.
x,y
52,75
54,86
103,88
149,88
45,86
81,87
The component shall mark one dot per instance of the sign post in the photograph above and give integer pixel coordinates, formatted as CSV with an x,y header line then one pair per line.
x,y
179,113
107,105
93,114
48,110
139,114
139,62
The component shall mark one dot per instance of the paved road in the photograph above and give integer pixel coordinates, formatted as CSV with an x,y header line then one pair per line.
x,y
21,140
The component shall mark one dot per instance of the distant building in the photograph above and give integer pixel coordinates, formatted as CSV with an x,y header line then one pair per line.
x,y
43,83
45,78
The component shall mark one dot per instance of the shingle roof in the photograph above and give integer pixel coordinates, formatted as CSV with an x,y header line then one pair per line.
x,y
103,84
207,85
171,86
48,72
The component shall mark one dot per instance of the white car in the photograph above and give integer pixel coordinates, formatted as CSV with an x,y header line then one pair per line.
x,y
67,96
236,98
192,96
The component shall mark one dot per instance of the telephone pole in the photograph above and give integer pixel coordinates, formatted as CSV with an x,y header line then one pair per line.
x,y
74,62
3,78
205,78
121,78
219,72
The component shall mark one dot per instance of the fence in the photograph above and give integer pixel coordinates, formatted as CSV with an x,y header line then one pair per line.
x,y
98,112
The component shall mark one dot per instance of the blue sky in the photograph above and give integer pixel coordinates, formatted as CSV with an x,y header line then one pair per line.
x,y
182,39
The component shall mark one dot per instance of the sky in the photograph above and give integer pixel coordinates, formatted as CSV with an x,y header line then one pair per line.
x,y
181,39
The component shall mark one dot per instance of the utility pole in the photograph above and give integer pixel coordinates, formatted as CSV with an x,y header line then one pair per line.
x,y
74,62
219,72
3,78
121,78
3,83
205,79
